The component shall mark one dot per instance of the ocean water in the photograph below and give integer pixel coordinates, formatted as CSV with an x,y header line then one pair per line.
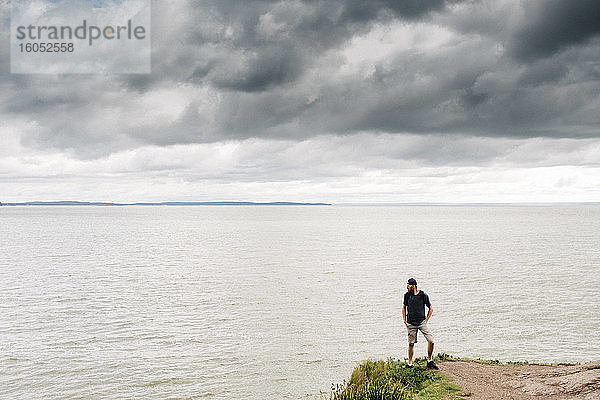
x,y
280,302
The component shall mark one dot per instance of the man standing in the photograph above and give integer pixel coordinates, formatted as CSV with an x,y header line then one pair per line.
x,y
413,313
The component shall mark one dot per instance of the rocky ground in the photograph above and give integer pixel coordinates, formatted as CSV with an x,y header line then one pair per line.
x,y
524,382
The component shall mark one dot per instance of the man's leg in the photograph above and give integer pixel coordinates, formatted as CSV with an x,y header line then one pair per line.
x,y
425,330
429,350
412,339
430,363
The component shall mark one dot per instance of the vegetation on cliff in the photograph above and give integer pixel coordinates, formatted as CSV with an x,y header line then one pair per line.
x,y
394,380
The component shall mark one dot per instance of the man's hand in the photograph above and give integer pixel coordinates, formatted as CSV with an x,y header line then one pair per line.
x,y
429,314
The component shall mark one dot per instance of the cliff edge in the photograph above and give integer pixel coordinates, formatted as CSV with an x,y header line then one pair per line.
x,y
479,380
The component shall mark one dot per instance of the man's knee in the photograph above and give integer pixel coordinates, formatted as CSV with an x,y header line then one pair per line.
x,y
431,342
411,345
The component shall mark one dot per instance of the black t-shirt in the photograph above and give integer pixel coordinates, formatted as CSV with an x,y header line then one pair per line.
x,y
415,307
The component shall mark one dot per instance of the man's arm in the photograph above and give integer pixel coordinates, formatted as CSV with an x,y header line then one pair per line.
x,y
429,313
404,313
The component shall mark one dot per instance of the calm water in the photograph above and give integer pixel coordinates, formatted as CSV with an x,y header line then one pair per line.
x,y
280,302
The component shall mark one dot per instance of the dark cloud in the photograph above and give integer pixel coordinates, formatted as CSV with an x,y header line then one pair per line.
x,y
273,66
357,10
5,38
553,25
464,88
230,70
255,45
543,72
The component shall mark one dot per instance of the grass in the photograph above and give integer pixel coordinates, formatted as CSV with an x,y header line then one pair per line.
x,y
392,380
439,389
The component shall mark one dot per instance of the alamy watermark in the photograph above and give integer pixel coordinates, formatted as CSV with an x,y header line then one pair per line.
x,y
80,36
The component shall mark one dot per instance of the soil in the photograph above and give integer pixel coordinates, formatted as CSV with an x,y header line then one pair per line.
x,y
479,381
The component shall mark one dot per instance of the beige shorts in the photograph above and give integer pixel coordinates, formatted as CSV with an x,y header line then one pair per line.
x,y
412,332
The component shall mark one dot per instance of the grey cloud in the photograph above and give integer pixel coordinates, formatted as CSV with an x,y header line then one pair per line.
x,y
273,69
483,17
321,157
273,66
543,72
472,87
255,45
466,88
357,10
5,38
553,25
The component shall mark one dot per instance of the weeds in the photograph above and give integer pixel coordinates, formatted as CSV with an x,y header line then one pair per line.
x,y
385,380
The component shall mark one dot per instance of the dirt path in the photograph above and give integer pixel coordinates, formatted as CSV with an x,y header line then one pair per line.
x,y
480,381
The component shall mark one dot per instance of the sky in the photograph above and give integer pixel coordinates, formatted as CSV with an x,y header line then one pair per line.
x,y
342,101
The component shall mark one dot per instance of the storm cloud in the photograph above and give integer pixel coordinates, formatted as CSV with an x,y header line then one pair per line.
x,y
554,25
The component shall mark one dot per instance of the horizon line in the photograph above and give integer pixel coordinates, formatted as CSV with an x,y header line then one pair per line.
x,y
291,203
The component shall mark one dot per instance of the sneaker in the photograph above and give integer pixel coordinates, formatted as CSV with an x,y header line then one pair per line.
x,y
431,365
409,365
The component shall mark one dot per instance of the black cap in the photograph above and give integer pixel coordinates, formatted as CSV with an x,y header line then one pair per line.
x,y
412,281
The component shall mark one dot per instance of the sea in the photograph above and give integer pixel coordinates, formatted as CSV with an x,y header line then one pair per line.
x,y
281,302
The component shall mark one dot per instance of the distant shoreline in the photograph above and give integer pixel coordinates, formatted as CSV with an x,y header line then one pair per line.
x,y
166,203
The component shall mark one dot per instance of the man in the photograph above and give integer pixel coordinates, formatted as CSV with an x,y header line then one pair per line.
x,y
413,313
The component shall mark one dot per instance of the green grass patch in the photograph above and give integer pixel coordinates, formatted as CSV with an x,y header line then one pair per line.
x,y
393,380
439,389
